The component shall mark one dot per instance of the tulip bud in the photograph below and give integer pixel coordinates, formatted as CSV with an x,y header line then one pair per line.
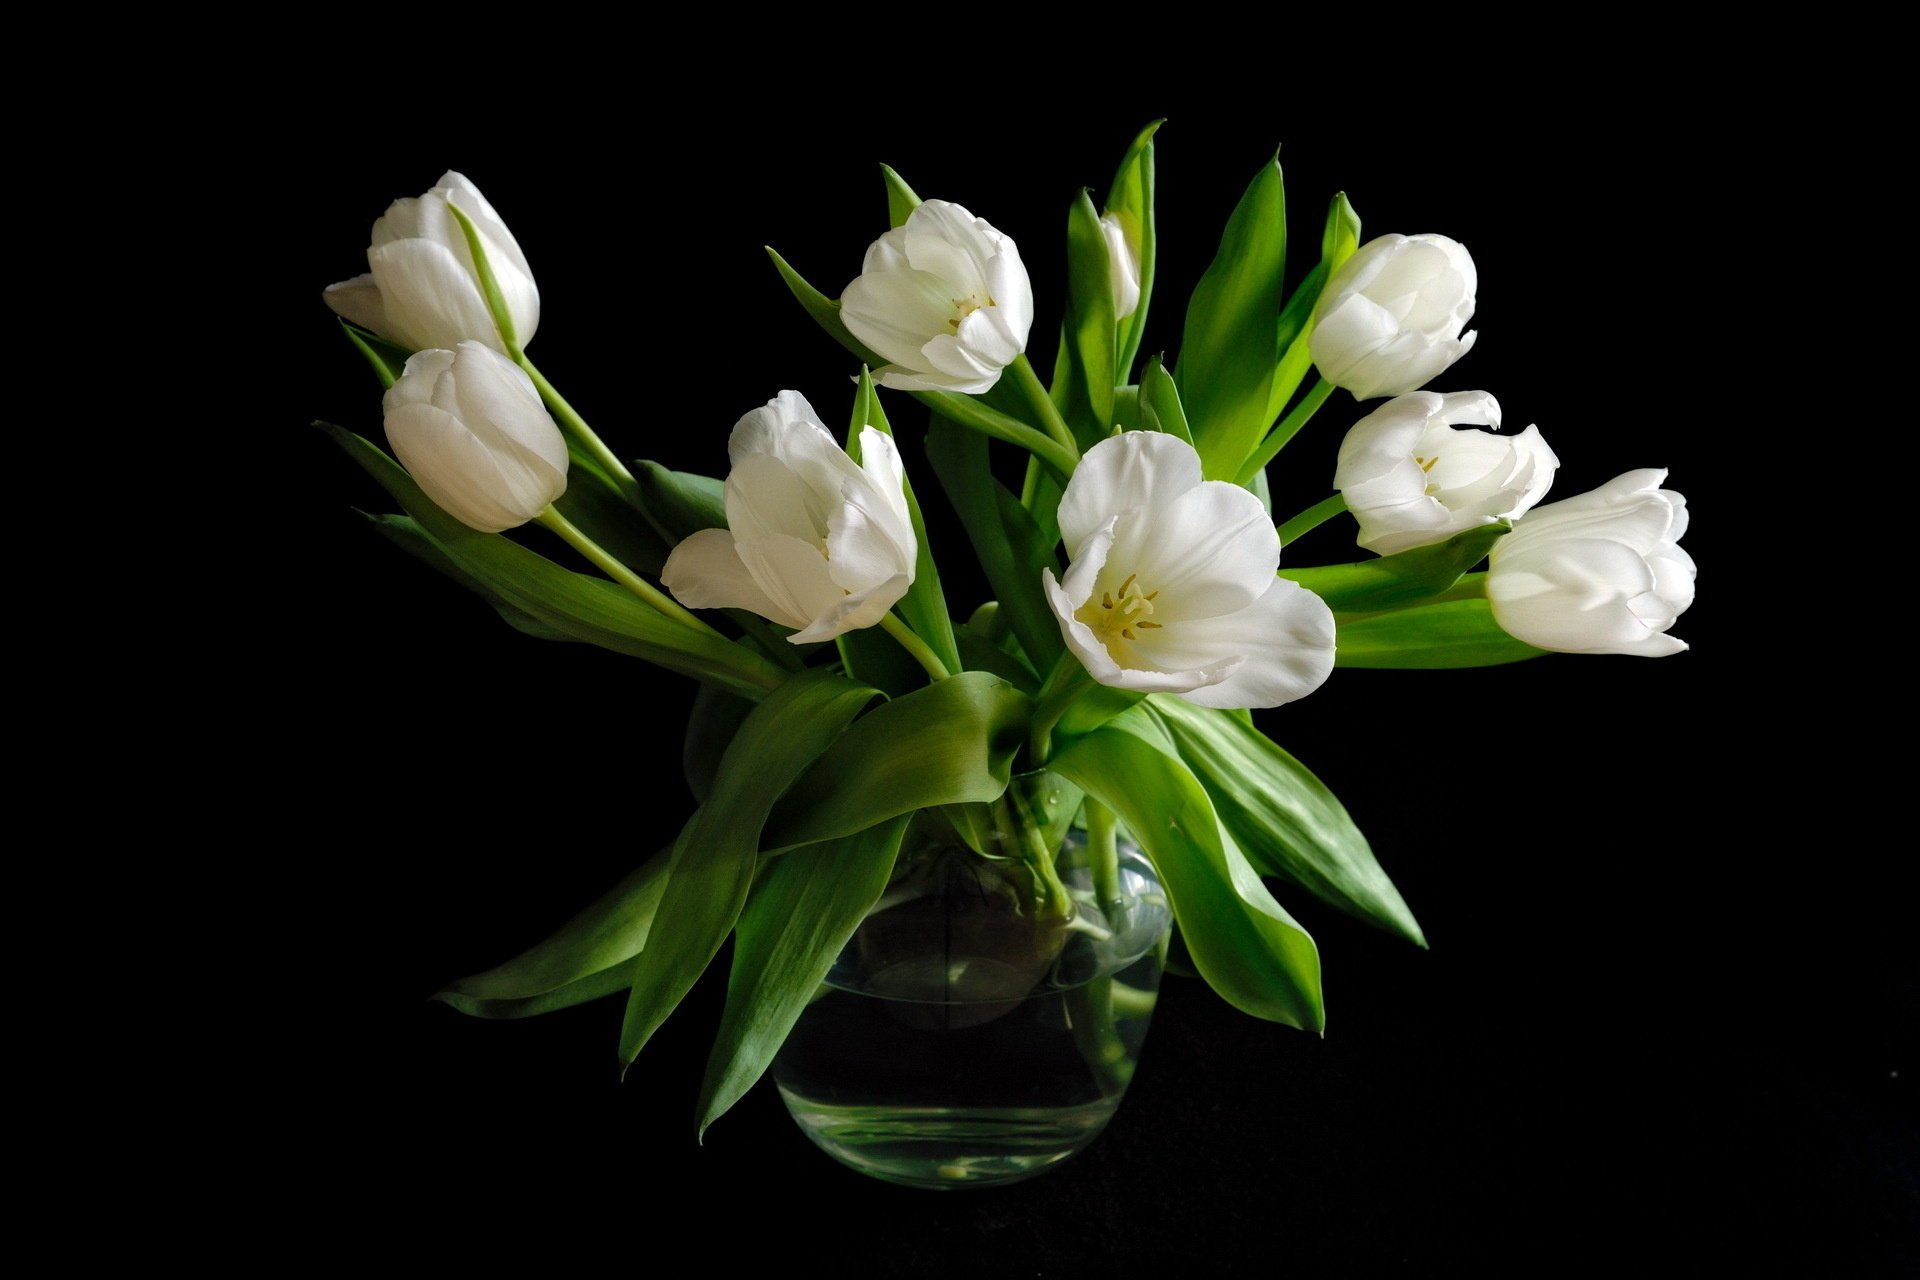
x,y
815,541
1390,319
1599,573
944,298
1411,479
470,429
422,290
1123,261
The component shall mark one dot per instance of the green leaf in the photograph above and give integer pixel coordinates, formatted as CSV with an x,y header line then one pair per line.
x,y
794,926
1160,408
979,653
715,718
1131,198
389,361
405,532
1456,633
598,509
1011,549
489,284
714,861
925,604
1243,942
1401,579
952,742
681,502
575,604
1083,382
824,310
971,413
588,957
1338,240
1230,347
873,657
1283,818
900,198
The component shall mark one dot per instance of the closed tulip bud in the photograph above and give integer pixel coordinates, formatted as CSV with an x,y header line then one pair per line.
x,y
1172,586
1599,573
944,298
1123,264
1412,478
470,429
815,541
422,291
1390,320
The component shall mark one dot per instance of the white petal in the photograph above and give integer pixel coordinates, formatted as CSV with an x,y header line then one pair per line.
x,y
1211,550
947,241
1133,469
895,313
462,476
900,378
495,393
1100,663
430,299
794,575
855,611
357,301
1284,642
1123,268
1012,292
766,499
418,378
787,428
705,572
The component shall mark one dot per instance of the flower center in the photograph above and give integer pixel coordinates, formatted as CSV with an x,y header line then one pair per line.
x,y
964,307
1426,465
1125,614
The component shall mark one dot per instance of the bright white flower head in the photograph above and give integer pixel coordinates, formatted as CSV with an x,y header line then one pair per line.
x,y
1123,265
1390,319
1172,588
421,291
815,541
944,298
470,429
1602,572
1411,478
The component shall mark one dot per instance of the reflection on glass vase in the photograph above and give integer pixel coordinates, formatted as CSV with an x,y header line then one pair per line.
x,y
983,1022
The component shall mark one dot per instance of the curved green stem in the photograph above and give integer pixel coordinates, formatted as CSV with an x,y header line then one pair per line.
x,y
626,577
922,652
1103,852
1288,428
1043,405
1312,518
569,417
988,421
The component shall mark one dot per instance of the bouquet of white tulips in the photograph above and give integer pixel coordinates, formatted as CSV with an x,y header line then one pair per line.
x,y
1141,609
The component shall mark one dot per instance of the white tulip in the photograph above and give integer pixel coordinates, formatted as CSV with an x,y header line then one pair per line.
x,y
816,541
944,298
421,291
1599,573
1123,265
1411,479
1390,319
1172,588
470,429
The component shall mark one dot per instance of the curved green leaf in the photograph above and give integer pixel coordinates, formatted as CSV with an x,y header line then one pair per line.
x,y
1338,240
1243,942
1401,579
1230,345
901,201
405,532
587,957
1283,818
824,310
952,742
681,503
586,608
596,506
1084,378
1131,198
716,716
713,862
798,918
1160,407
1456,633
389,360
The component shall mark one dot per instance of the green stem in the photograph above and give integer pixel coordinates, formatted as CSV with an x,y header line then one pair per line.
x,y
570,418
1043,405
1312,518
1066,683
1289,427
988,421
626,577
1023,832
913,644
1132,1001
1103,853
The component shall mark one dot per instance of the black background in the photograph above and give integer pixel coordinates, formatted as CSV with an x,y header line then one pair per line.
x,y
1659,1012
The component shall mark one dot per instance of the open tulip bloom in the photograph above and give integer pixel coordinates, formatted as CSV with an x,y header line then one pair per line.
x,y
1141,606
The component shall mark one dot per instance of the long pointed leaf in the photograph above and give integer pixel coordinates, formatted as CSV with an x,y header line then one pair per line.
x,y
405,532
824,310
1244,943
794,925
1282,817
901,201
1401,579
1131,198
713,863
1457,633
1084,376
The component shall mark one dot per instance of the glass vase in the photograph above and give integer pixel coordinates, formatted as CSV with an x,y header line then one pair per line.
x,y
983,1022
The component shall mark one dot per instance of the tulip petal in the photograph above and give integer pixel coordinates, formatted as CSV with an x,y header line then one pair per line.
x,y
896,312
357,301
497,398
793,572
431,300
1100,663
855,611
1135,469
1284,643
705,572
462,476
1209,551
766,499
